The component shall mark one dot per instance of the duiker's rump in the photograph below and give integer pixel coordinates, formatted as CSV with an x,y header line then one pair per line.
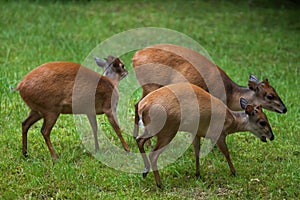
x,y
49,90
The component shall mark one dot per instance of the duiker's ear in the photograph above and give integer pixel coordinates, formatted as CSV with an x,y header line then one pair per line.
x,y
101,62
243,103
253,78
266,81
253,82
249,110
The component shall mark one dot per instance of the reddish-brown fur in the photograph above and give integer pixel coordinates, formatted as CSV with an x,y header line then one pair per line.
x,y
68,88
167,64
186,107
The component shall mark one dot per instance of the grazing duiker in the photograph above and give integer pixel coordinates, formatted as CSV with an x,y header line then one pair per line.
x,y
187,107
163,64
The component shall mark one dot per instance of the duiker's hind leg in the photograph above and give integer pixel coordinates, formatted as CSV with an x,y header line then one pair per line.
x,y
137,117
140,142
196,144
136,121
49,121
33,117
156,151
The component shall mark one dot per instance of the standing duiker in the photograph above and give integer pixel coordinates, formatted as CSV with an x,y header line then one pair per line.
x,y
56,88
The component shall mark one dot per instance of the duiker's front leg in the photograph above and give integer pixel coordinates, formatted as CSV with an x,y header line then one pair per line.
x,y
221,143
114,124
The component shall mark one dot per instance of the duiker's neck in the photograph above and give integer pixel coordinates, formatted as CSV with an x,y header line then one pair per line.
x,y
114,78
235,92
239,123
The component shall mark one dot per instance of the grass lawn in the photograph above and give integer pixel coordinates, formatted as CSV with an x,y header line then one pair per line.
x,y
242,38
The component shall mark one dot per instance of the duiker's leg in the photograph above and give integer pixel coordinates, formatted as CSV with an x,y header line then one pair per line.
x,y
221,143
93,122
140,142
136,121
156,151
26,124
117,129
196,144
49,121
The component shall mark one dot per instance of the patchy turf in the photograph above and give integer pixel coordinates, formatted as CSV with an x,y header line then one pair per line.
x,y
242,38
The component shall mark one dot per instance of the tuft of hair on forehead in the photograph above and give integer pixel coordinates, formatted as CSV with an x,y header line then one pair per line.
x,y
111,58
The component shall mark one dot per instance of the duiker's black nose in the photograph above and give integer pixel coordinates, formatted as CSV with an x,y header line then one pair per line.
x,y
272,138
284,110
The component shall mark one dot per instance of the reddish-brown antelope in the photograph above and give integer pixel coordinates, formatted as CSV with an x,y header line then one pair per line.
x,y
186,107
164,64
56,88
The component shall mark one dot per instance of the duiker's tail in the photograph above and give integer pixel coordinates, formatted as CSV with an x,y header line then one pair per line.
x,y
13,88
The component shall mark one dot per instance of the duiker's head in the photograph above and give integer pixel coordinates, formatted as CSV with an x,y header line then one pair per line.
x,y
258,122
266,95
113,67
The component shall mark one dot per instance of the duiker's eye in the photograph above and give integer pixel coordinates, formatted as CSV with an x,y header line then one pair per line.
x,y
262,123
270,97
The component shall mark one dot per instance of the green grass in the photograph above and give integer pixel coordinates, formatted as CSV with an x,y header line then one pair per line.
x,y
252,37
